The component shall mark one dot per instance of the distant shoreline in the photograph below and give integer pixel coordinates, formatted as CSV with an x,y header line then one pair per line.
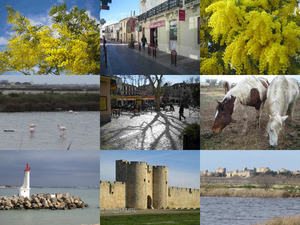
x,y
48,102
7,187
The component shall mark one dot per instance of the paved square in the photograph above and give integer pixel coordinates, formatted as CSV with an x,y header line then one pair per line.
x,y
149,131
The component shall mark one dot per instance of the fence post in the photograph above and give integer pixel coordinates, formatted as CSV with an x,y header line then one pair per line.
x,y
174,57
149,50
154,51
105,56
140,46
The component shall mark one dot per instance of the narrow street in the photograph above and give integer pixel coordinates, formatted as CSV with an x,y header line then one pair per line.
x,y
124,61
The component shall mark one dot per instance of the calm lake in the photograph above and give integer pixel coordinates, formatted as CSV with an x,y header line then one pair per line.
x,y
90,215
245,211
83,131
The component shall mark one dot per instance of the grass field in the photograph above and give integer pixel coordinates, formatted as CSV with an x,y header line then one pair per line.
x,y
230,138
178,218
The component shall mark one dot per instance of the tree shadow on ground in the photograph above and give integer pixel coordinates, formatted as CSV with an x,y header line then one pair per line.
x,y
172,127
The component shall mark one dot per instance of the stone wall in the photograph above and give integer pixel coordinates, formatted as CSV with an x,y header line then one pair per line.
x,y
112,195
183,198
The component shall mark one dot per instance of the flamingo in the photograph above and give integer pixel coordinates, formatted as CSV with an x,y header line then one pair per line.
x,y
31,128
63,129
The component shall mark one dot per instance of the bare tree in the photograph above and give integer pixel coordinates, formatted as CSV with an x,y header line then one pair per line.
x,y
265,181
158,88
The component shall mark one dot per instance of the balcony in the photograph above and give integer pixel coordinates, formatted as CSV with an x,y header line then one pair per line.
x,y
167,5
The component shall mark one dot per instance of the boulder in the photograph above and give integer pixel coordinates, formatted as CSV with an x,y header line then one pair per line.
x,y
42,201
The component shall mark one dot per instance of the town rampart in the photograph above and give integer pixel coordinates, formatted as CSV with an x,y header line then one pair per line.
x,y
183,198
112,195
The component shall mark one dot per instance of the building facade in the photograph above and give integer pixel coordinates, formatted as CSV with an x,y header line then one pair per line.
x,y
105,99
171,25
122,29
143,186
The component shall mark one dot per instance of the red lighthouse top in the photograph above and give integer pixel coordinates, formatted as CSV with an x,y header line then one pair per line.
x,y
27,168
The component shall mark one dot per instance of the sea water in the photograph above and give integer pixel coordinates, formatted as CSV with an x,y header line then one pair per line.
x,y
86,216
245,211
82,131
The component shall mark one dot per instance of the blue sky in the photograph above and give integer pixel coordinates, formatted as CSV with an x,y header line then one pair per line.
x,y
50,168
183,165
232,160
53,79
178,78
37,12
120,9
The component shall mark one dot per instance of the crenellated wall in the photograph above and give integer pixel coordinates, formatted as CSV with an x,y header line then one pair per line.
x,y
143,186
112,195
183,198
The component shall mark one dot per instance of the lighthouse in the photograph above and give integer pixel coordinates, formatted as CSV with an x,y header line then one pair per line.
x,y
25,189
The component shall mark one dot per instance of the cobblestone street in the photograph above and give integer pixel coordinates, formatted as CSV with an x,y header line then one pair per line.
x,y
149,131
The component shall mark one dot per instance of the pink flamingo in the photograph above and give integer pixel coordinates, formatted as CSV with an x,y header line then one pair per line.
x,y
31,128
63,129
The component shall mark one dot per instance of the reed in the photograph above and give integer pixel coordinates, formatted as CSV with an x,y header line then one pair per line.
x,y
49,102
244,192
287,220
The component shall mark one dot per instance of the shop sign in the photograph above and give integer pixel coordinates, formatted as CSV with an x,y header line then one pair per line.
x,y
132,25
156,24
181,15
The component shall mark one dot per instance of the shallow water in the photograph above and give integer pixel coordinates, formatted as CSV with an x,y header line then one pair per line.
x,y
245,211
83,131
85,216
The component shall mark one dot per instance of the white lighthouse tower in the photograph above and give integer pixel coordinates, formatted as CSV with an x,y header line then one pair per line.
x,y
25,189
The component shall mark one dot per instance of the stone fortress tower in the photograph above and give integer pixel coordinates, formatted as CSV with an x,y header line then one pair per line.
x,y
25,189
146,185
143,186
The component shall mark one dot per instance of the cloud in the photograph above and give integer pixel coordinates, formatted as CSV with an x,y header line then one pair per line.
x,y
3,41
89,13
40,19
60,1
51,168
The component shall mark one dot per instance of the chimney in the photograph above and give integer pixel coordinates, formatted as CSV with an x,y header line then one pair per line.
x,y
133,13
130,13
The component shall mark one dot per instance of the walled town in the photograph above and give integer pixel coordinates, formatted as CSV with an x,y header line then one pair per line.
x,y
245,172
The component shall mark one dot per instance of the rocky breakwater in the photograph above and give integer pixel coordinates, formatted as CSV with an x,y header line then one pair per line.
x,y
41,202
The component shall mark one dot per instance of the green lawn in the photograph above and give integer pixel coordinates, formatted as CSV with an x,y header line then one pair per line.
x,y
178,218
